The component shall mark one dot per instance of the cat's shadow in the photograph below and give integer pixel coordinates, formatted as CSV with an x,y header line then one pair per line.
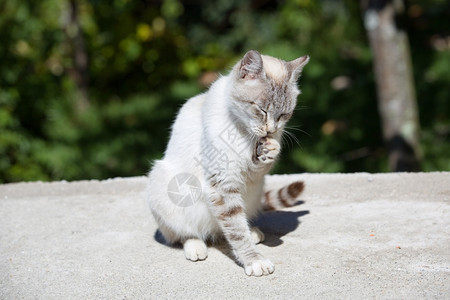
x,y
274,225
278,223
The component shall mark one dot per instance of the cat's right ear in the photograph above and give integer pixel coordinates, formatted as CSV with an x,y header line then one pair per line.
x,y
296,66
251,65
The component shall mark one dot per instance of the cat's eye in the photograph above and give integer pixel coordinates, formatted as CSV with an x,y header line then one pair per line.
x,y
258,107
284,116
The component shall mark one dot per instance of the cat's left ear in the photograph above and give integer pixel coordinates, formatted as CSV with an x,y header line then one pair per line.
x,y
251,65
296,66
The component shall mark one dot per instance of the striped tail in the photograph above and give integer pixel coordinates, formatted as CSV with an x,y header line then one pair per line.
x,y
284,197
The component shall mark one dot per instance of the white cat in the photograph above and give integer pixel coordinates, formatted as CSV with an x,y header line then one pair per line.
x,y
210,181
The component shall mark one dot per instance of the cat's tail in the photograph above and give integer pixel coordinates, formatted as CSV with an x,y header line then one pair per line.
x,y
283,197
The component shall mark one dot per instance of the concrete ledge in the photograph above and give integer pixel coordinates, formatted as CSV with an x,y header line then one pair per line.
x,y
351,236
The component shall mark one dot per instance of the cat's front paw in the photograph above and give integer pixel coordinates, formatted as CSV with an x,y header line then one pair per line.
x,y
267,150
259,267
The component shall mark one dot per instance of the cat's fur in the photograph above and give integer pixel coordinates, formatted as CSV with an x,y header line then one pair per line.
x,y
223,142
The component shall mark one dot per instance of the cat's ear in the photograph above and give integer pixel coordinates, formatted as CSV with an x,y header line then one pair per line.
x,y
251,65
296,66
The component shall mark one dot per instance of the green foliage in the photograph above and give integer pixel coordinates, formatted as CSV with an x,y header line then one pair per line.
x,y
145,59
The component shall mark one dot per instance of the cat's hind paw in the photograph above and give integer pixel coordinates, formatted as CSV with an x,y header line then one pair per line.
x,y
257,235
195,249
259,267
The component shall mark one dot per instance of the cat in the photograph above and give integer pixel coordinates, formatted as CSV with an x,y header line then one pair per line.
x,y
210,182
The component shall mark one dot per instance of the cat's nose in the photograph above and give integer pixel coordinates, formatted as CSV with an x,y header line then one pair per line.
x,y
270,132
271,128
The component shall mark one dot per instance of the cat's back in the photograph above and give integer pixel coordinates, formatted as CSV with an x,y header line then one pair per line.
x,y
187,128
191,110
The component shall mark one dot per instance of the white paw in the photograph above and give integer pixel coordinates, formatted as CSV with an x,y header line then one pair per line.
x,y
195,249
259,267
257,235
267,150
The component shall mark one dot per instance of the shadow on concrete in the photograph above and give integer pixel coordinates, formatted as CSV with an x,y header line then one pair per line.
x,y
160,239
276,224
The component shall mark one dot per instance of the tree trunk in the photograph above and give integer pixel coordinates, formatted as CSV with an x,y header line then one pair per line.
x,y
395,85
78,72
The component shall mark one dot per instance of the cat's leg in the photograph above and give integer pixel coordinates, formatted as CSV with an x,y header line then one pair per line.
x,y
257,235
195,249
176,224
169,235
227,206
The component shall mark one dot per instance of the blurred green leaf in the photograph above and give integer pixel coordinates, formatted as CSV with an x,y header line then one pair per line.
x,y
144,59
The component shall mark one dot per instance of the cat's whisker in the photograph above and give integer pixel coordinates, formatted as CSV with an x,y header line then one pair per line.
x,y
285,141
300,107
289,140
293,137
252,137
298,129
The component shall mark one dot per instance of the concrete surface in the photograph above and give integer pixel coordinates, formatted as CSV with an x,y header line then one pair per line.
x,y
352,236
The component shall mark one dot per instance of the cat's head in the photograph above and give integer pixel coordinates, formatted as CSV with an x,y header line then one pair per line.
x,y
264,92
